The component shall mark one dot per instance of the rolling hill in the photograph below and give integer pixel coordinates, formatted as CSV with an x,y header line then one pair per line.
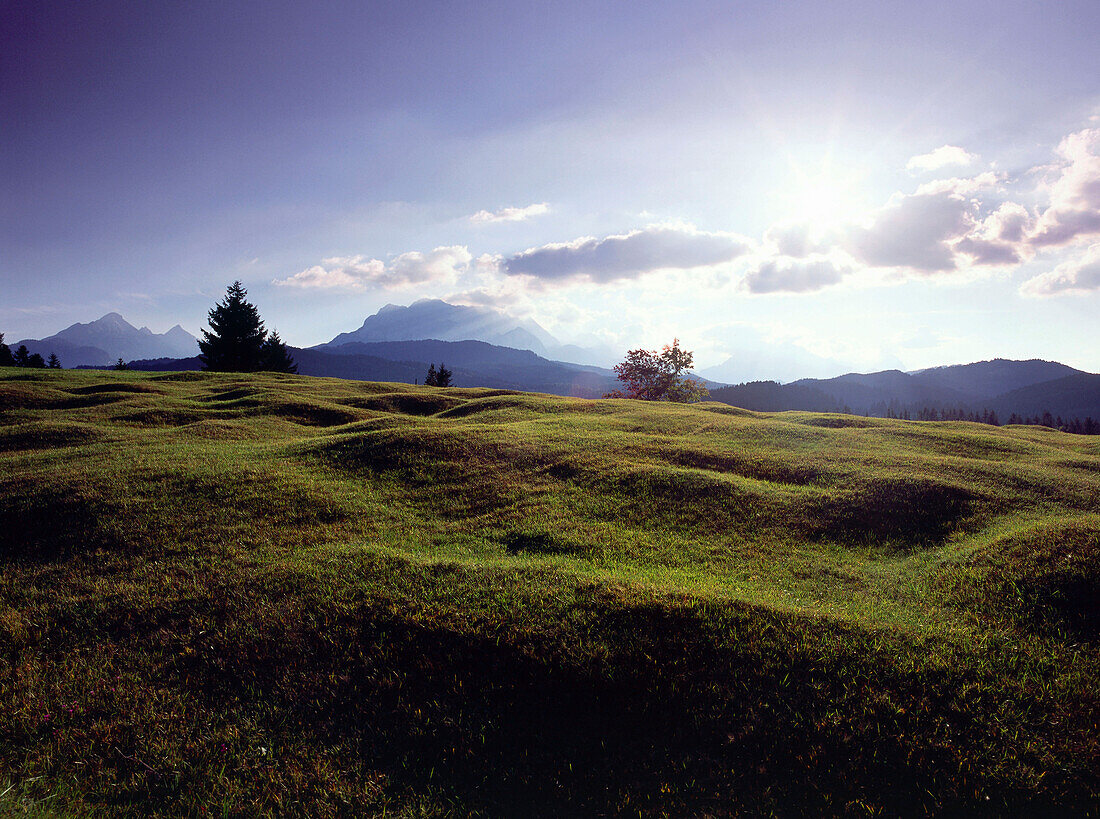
x,y
270,594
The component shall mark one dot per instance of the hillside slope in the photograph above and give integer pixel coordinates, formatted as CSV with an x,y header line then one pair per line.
x,y
252,594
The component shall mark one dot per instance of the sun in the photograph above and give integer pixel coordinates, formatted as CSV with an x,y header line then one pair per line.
x,y
820,193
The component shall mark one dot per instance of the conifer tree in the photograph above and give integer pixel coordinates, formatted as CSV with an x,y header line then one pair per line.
x,y
53,362
22,356
274,356
432,378
234,342
6,359
443,378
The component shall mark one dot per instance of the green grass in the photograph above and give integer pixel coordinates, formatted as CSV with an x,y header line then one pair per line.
x,y
240,594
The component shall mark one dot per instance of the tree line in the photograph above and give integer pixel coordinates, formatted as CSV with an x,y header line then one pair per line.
x,y
1075,425
22,357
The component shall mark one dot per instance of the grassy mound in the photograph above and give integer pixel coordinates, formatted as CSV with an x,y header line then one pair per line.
x,y
273,594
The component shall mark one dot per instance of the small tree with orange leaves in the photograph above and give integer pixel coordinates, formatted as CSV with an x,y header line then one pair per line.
x,y
653,376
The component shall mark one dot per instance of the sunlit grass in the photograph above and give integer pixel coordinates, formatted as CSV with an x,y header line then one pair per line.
x,y
273,594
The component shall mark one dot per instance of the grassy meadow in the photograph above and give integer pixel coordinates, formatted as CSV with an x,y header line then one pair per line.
x,y
233,595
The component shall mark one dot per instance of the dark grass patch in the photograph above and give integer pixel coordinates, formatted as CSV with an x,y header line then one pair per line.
x,y
582,703
24,396
725,409
215,429
118,386
837,421
43,525
539,543
508,401
311,414
1091,467
1045,580
405,403
185,377
982,443
793,471
47,435
162,417
893,512
684,499
235,395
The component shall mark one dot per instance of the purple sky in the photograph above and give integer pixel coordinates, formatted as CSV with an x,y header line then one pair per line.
x,y
741,175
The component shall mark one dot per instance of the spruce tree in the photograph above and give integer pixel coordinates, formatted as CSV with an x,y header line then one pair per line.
x,y
443,378
6,359
274,356
432,378
53,362
22,356
235,340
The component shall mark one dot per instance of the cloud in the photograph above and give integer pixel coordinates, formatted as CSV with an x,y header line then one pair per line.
x,y
913,231
775,276
510,214
963,186
940,158
795,240
1075,276
442,265
628,255
998,240
1074,210
1009,223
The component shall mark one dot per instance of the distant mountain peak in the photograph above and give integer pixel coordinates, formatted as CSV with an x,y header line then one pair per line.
x,y
110,337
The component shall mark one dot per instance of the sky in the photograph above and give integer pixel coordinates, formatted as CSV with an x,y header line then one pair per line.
x,y
869,184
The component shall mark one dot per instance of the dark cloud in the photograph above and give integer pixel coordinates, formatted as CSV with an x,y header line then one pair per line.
x,y
774,276
794,240
913,231
627,256
987,251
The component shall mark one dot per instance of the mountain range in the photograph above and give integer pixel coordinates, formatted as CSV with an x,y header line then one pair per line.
x,y
105,340
439,320
486,347
1002,386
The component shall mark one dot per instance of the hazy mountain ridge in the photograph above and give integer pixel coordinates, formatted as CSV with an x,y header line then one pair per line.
x,y
434,319
105,340
1004,386
473,364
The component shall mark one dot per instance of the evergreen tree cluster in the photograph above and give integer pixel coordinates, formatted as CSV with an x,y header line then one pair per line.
x,y
237,341
23,357
438,378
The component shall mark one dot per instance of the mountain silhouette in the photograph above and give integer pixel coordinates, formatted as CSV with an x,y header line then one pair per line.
x,y
107,339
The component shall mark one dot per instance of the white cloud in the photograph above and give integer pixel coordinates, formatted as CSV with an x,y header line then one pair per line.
x,y
1075,276
443,265
628,255
963,186
510,214
802,276
942,157
1074,210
